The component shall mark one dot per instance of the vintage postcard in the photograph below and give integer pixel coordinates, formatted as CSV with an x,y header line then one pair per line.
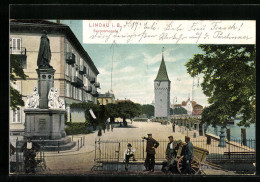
x,y
132,97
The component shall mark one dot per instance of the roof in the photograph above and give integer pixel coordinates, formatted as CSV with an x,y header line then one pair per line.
x,y
106,95
184,103
37,26
198,106
162,73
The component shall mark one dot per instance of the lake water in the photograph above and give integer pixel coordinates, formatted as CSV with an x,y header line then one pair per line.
x,y
235,131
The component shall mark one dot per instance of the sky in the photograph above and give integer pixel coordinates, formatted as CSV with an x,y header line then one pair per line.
x,y
135,67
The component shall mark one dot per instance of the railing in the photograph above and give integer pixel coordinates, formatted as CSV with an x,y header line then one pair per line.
x,y
113,150
94,93
92,80
82,69
70,58
76,81
88,89
18,50
17,159
97,85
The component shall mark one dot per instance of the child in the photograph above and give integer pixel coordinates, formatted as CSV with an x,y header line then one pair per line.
x,y
129,152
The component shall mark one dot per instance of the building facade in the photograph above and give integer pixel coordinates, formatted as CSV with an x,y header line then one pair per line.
x,y
162,86
107,98
75,76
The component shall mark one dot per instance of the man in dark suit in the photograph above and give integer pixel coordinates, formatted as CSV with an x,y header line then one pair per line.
x,y
29,150
171,153
188,154
151,145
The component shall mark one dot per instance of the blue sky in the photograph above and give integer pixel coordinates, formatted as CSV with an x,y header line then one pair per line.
x,y
136,65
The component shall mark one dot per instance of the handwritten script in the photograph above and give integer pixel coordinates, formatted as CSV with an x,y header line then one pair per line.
x,y
168,32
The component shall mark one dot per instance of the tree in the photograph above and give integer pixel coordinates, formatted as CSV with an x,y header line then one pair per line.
x,y
112,111
229,81
128,110
179,110
148,110
16,70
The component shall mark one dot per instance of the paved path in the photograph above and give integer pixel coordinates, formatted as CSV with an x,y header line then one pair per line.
x,y
81,162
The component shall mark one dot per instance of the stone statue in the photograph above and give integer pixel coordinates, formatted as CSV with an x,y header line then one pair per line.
x,y
33,100
44,55
54,101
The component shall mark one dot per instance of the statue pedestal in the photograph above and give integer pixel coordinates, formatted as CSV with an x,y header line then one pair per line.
x,y
46,127
44,123
45,83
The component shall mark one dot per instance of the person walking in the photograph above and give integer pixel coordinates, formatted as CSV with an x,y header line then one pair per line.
x,y
173,127
129,152
151,145
171,153
29,150
112,126
188,154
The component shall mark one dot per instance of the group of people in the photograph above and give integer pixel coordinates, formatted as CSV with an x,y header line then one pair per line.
x,y
170,165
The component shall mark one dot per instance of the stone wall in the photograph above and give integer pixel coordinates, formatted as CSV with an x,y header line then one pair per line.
x,y
77,115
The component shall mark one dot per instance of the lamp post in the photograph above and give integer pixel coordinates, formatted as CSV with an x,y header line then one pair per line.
x,y
222,136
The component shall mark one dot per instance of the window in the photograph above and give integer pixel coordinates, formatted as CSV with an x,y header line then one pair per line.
x,y
81,62
72,92
80,94
77,72
66,69
16,45
68,89
16,116
72,71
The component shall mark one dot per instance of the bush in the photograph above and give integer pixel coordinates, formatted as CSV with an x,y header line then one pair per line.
x,y
76,128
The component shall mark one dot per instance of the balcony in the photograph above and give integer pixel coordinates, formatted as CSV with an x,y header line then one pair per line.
x,y
19,53
94,93
77,82
88,89
70,58
18,50
92,80
97,85
82,69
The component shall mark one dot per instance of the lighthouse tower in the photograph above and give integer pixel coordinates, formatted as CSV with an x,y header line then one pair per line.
x,y
162,86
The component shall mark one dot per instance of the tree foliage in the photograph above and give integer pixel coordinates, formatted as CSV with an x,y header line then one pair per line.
x,y
16,71
179,110
148,110
112,111
229,81
128,110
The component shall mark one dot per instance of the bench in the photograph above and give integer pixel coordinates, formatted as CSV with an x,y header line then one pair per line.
x,y
237,154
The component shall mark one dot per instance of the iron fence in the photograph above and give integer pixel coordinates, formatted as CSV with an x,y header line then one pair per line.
x,y
17,159
113,150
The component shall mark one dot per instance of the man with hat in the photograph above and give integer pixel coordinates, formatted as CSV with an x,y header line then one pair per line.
x,y
29,149
171,153
151,145
188,154
129,152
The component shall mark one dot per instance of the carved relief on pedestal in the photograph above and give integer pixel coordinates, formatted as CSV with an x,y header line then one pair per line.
x,y
54,101
33,100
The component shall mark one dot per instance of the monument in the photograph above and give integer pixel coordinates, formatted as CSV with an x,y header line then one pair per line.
x,y
45,110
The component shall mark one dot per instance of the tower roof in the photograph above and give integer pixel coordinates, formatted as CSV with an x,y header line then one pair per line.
x,y
162,73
